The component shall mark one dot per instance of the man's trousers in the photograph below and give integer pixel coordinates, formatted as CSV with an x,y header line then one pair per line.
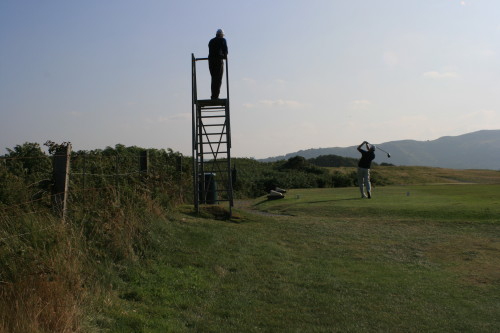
x,y
364,180
216,67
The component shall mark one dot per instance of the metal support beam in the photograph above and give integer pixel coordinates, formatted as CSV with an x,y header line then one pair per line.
x,y
211,130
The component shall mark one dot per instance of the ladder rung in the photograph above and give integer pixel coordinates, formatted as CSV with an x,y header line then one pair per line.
x,y
218,153
221,112
213,116
213,143
218,133
205,125
210,108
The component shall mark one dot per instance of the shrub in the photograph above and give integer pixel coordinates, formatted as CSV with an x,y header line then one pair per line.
x,y
340,179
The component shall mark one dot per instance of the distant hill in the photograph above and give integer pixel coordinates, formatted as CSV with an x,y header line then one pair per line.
x,y
476,150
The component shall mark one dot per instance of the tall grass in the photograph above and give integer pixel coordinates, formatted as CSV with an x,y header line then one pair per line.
x,y
54,273
41,261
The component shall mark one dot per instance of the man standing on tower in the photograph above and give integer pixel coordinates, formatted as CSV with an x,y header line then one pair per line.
x,y
217,52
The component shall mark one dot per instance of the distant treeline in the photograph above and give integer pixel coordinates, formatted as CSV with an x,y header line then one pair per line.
x,y
256,178
334,161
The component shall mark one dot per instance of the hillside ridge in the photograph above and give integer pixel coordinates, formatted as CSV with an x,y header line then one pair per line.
x,y
475,150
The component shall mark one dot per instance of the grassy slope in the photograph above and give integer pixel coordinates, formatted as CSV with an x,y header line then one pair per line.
x,y
427,261
427,175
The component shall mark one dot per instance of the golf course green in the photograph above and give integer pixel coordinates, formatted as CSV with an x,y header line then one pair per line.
x,y
419,258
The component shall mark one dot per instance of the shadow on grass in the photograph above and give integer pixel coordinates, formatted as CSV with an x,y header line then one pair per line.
x,y
215,212
334,200
318,201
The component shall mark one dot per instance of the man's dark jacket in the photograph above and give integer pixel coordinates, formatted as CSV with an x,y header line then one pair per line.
x,y
217,48
366,159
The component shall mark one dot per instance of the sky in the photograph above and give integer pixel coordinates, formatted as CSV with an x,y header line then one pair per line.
x,y
302,73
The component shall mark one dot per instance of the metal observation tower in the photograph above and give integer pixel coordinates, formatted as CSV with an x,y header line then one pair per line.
x,y
212,179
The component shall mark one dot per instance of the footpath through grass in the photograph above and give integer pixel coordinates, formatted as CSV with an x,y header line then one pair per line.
x,y
412,259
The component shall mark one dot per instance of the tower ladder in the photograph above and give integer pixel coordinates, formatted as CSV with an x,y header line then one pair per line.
x,y
211,136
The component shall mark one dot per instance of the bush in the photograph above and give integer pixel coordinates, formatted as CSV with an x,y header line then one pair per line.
x,y
340,179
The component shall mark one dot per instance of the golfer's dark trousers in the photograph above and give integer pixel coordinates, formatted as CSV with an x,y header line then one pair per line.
x,y
216,67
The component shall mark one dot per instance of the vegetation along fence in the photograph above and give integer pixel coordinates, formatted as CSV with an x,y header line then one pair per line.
x,y
32,181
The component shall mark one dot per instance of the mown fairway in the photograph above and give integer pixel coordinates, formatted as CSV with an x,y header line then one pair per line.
x,y
412,259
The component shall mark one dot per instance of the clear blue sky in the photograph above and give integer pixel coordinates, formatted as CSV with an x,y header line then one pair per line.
x,y
303,74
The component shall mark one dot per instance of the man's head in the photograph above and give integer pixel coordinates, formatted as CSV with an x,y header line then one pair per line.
x,y
220,33
372,147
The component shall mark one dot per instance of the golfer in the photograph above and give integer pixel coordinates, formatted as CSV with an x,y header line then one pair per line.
x,y
364,164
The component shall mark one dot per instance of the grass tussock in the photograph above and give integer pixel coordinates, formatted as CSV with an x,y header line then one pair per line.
x,y
41,264
53,274
42,303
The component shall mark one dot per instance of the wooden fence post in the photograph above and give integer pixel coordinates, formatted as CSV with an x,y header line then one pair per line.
x,y
83,180
117,178
61,180
179,169
144,162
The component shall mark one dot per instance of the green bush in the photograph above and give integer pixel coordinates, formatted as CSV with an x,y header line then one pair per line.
x,y
340,179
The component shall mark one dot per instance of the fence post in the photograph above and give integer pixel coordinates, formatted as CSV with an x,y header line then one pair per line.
x,y
61,180
117,178
144,162
83,179
179,169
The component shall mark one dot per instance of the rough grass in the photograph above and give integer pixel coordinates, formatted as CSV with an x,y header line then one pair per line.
x,y
326,261
412,259
56,276
41,282
412,175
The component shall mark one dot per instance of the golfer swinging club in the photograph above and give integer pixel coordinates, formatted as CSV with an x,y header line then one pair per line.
x,y
364,164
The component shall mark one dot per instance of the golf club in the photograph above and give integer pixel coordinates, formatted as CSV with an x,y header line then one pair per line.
x,y
377,147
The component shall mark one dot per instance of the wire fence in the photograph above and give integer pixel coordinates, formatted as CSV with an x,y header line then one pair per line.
x,y
105,191
96,179
114,202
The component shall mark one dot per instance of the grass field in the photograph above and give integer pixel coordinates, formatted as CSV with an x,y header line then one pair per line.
x,y
412,259
415,175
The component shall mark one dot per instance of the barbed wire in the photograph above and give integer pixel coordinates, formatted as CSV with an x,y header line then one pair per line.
x,y
28,202
25,233
120,161
5,209
6,158
17,205
106,175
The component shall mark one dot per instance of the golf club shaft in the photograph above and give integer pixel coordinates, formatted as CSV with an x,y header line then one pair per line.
x,y
379,148
382,150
